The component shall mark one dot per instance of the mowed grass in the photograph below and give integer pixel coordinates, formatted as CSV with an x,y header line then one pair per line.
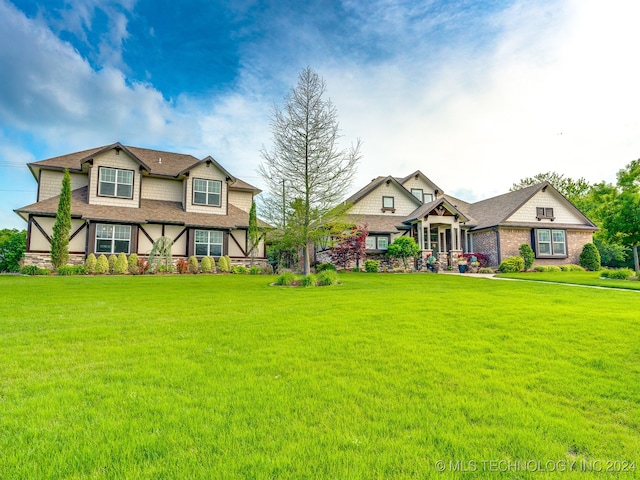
x,y
577,278
226,377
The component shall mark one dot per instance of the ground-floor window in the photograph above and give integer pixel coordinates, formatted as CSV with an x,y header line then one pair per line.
x,y
551,243
208,243
113,238
377,242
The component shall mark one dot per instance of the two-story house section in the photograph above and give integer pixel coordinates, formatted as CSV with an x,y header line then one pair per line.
x,y
446,226
125,198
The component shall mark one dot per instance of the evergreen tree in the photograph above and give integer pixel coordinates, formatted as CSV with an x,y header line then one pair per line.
x,y
62,226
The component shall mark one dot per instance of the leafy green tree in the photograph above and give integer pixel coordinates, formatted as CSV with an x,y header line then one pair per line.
x,y
13,244
570,188
404,248
590,257
622,205
305,169
62,226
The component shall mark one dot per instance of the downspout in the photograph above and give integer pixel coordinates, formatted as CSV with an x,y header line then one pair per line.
x,y
497,230
86,241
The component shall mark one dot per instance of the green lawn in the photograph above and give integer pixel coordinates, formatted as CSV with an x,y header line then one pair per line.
x,y
578,278
381,377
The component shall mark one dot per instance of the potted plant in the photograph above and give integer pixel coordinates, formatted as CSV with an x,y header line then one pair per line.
x,y
462,264
474,264
432,265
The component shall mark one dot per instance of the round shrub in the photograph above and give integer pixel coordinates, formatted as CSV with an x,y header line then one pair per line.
x,y
239,269
308,281
327,278
224,264
553,268
372,266
206,265
284,279
526,252
102,265
590,257
133,263
321,267
90,263
512,264
112,262
193,265
620,274
267,269
121,266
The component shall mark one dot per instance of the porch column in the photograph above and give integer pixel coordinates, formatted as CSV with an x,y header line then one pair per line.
x,y
420,235
428,242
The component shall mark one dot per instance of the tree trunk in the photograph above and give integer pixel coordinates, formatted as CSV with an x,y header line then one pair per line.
x,y
306,265
635,259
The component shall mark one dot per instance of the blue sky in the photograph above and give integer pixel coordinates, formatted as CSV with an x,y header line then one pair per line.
x,y
476,94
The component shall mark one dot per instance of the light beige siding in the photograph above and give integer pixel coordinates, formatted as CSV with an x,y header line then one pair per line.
x,y
111,160
240,199
372,203
210,172
162,189
79,242
562,212
179,248
241,238
419,183
51,183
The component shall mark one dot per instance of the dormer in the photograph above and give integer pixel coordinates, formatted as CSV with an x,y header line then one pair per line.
x,y
206,187
421,187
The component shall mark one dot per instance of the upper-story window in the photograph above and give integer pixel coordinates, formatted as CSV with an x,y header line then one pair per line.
x,y
417,192
544,212
207,192
428,197
114,182
388,203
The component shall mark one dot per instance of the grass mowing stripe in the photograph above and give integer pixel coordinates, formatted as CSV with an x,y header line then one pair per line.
x,y
226,377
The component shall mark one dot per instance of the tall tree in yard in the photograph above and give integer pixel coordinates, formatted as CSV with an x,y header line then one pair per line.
x,y
306,172
253,234
62,226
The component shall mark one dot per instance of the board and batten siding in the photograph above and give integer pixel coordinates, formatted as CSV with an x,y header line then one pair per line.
x,y
122,161
51,183
371,204
562,213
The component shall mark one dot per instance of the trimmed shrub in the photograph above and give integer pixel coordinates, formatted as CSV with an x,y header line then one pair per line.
x,y
512,264
255,270
620,274
570,267
308,281
112,262
240,269
71,270
321,267
122,265
327,278
194,267
133,263
372,266
224,264
206,265
34,270
90,263
526,252
590,257
552,268
102,265
285,279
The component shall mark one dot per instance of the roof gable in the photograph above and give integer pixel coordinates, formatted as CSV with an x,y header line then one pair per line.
x,y
418,175
375,183
440,206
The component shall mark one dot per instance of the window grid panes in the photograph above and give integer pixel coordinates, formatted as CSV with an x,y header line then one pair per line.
x,y
383,243
115,183
428,197
551,242
113,238
207,192
387,202
417,192
208,243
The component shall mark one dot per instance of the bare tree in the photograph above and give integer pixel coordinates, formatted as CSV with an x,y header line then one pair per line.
x,y
306,173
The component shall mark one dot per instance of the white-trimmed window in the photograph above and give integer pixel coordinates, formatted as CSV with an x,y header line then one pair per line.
x,y
207,192
113,238
417,192
208,243
114,182
551,243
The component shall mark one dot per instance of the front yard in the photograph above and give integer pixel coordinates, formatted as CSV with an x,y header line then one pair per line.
x,y
381,377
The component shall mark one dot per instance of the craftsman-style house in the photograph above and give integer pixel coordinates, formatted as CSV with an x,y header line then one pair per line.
x,y
125,198
446,227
